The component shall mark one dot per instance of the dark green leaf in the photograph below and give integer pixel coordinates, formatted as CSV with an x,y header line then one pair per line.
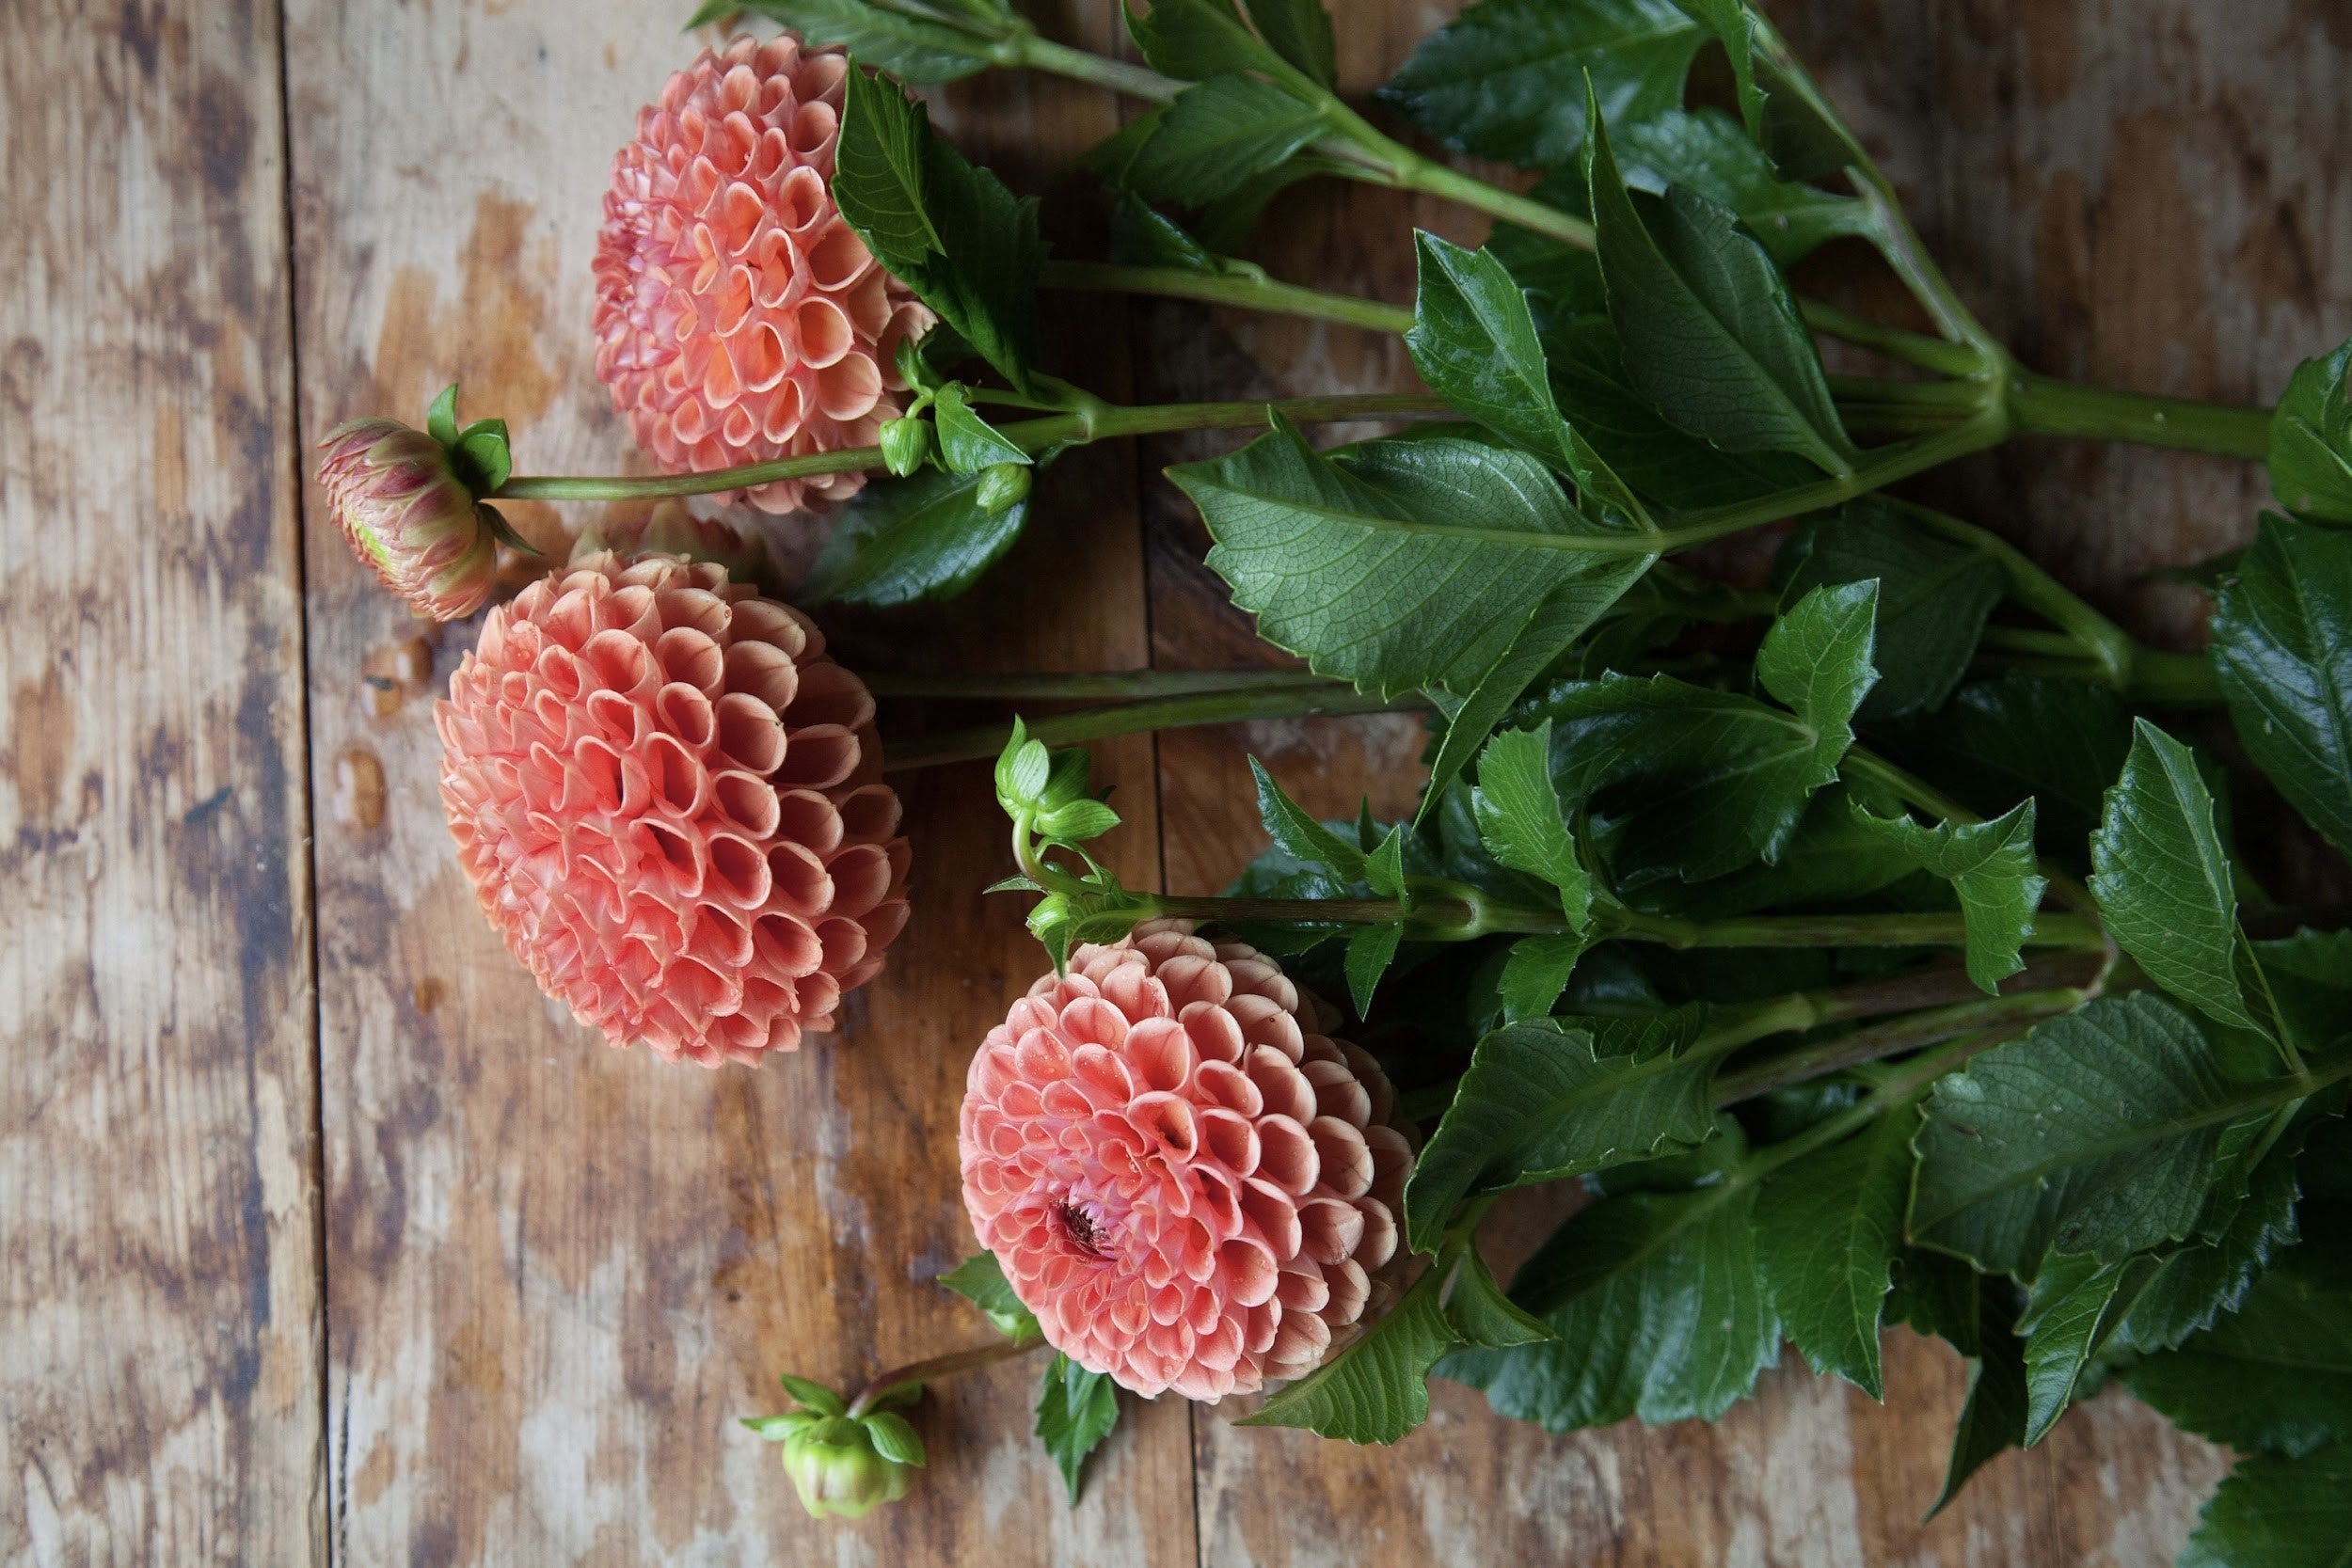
x,y
968,442
1507,79
2283,649
1991,865
1520,819
2099,1133
904,540
2058,743
1300,32
1075,1411
1827,1228
1376,1389
1216,136
1550,630
2311,439
2275,1375
937,46
2076,1304
1992,1418
1934,598
1543,1099
949,231
1298,833
1400,564
1474,342
1656,1308
2274,1513
1141,237
1195,39
1710,332
1536,971
980,1281
1692,781
2193,1286
1831,858
1818,661
1785,112
1596,395
1480,1314
1370,952
2309,975
1707,153
2164,885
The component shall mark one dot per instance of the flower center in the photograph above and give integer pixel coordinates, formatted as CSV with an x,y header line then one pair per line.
x,y
1080,1227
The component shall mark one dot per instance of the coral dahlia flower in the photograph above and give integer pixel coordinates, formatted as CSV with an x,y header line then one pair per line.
x,y
738,317
668,800
1190,1186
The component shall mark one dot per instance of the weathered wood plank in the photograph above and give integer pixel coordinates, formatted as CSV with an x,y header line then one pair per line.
x,y
159,1290
2139,193
558,1273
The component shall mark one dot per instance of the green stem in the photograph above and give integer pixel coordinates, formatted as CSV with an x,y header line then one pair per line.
x,y
1899,1091
1026,49
1909,348
1093,421
1894,1038
2106,642
2076,934
1326,700
1227,287
2042,407
1122,685
917,1373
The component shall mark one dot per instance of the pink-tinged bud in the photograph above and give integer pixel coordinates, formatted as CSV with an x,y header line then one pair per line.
x,y
409,518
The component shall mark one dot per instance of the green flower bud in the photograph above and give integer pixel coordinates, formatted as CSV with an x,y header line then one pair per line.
x,y
837,1472
904,445
1002,484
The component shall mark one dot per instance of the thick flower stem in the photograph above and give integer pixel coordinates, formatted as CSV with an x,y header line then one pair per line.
x,y
1122,685
1246,291
2042,407
1894,1037
2073,932
898,1381
1323,700
1093,421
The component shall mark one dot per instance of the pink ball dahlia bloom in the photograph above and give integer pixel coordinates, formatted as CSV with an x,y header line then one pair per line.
x,y
740,318
669,802
1190,1186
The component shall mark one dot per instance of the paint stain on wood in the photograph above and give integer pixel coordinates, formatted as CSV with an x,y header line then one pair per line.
x,y
40,743
357,800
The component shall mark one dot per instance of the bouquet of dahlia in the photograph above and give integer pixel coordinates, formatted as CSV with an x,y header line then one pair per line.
x,y
1859,923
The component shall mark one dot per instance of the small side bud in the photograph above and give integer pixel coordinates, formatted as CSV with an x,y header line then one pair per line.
x,y
840,1472
1002,484
904,445
396,495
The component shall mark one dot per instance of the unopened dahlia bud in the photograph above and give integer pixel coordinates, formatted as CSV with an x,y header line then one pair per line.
x,y
836,1471
738,317
395,494
1002,484
669,802
905,442
1189,1185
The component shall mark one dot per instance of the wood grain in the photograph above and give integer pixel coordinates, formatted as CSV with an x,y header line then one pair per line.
x,y
558,1273
548,1275
159,1288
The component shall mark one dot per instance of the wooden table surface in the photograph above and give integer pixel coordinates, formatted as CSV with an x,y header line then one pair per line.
x,y
325,1236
